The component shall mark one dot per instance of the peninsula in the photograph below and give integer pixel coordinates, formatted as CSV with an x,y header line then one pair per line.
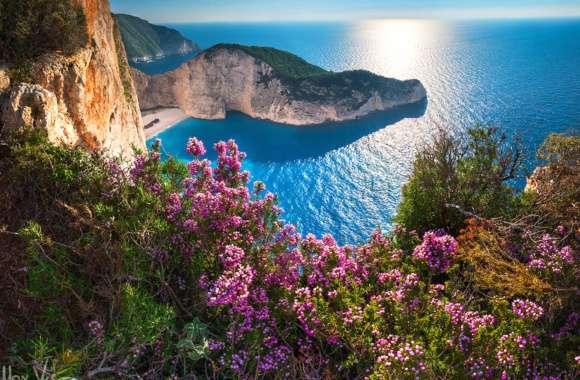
x,y
145,42
267,83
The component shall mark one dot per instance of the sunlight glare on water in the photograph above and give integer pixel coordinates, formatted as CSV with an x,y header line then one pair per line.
x,y
345,179
394,47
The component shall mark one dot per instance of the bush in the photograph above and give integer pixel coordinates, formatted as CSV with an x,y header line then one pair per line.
x,y
189,272
556,184
31,28
455,177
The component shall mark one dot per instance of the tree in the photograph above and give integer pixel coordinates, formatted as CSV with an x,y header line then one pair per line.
x,y
454,177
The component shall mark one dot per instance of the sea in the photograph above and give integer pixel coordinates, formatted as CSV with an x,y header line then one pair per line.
x,y
345,178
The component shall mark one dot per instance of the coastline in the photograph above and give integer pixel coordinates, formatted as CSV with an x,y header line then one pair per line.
x,y
167,117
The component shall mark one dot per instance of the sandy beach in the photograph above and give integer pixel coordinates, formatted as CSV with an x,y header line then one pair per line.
x,y
167,117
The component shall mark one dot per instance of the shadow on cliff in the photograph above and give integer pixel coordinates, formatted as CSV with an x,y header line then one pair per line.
x,y
265,141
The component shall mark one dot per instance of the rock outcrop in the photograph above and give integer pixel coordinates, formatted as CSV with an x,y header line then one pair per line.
x,y
86,99
231,78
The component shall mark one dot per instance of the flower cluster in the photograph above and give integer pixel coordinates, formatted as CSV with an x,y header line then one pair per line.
x,y
232,287
478,368
401,285
97,331
526,309
437,250
548,256
470,323
280,301
393,351
195,147
138,166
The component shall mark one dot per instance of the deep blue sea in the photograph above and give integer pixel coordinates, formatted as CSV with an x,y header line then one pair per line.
x,y
345,178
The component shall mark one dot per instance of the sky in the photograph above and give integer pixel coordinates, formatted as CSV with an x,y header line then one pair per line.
x,y
167,11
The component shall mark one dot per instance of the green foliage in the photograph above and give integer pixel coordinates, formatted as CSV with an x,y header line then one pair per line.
x,y
286,65
194,342
455,178
141,318
560,149
31,28
45,358
123,67
143,39
21,73
555,186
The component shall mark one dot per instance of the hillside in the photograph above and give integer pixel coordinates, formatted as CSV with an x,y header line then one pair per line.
x,y
145,41
165,270
285,64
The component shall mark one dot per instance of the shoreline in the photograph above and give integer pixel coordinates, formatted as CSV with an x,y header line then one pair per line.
x,y
168,117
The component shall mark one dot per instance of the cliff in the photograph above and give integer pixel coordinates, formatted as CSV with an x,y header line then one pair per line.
x,y
86,98
266,83
144,41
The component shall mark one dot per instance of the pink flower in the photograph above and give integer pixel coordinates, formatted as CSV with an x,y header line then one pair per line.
x,y
232,287
547,256
437,250
527,309
195,147
232,256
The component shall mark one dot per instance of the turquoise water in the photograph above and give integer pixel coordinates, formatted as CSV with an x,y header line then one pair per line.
x,y
345,178
159,66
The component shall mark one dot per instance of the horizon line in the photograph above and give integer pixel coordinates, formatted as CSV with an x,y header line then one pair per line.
x,y
302,20
439,14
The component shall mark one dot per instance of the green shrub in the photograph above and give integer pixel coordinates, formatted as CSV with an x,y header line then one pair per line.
x,y
454,177
141,318
556,184
31,28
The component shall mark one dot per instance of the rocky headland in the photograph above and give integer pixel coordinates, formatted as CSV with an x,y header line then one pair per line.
x,y
146,42
270,84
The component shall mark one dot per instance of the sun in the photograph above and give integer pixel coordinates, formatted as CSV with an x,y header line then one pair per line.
x,y
396,45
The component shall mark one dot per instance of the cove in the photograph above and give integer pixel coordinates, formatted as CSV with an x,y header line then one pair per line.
x,y
311,168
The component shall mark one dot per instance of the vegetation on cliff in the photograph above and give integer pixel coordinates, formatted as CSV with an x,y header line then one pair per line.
x,y
305,81
472,171
164,269
286,65
145,40
31,28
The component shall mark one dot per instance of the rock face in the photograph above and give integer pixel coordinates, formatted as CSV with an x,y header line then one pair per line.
x,y
86,99
538,181
229,78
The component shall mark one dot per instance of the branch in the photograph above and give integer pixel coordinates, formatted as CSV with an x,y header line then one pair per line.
x,y
513,167
99,371
463,212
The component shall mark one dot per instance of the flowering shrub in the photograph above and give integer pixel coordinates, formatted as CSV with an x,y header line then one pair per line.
x,y
436,251
527,309
208,281
547,256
